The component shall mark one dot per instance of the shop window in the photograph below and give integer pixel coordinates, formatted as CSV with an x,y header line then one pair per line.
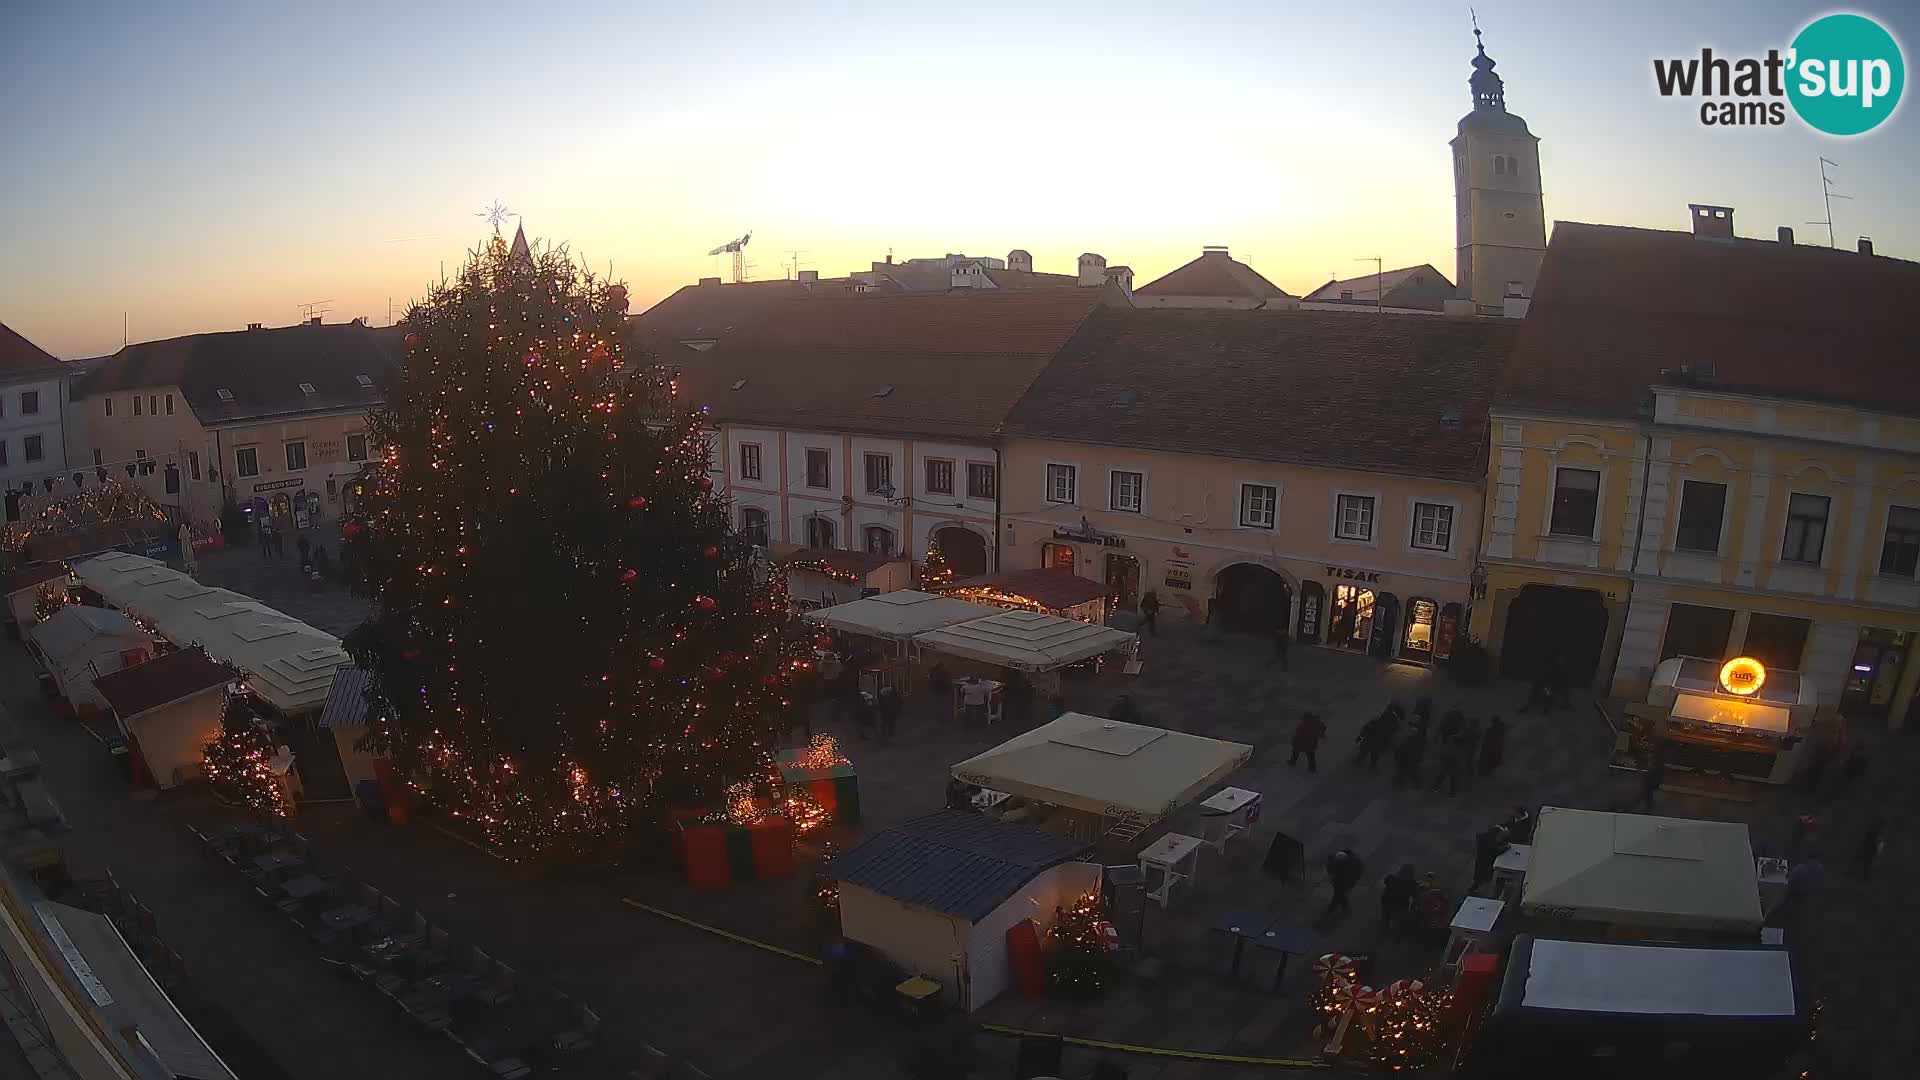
x,y
981,481
356,447
1353,517
819,468
296,455
1576,501
1776,640
1422,614
1060,483
819,532
749,461
246,460
1702,507
1806,528
1432,526
1900,552
1259,505
753,525
939,476
880,475
1697,631
1056,557
880,541
1125,491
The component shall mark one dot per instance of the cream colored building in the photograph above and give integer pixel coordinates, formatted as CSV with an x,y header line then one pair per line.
x,y
1500,218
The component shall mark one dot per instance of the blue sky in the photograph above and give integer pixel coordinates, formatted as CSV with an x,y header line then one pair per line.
x,y
200,166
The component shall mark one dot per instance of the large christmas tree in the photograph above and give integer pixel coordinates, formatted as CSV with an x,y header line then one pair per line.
x,y
569,637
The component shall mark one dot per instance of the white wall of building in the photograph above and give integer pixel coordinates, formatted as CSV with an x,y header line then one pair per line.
x,y
47,422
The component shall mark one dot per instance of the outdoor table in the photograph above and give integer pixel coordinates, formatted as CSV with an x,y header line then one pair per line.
x,y
345,918
920,995
1264,964
304,886
1231,932
1177,857
1509,868
1229,813
276,860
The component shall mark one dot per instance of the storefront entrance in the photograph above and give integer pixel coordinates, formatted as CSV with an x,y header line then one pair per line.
x,y
1252,598
1123,580
1552,627
965,551
1423,617
1350,617
1878,660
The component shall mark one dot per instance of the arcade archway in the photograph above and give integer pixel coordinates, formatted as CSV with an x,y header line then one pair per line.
x,y
1252,598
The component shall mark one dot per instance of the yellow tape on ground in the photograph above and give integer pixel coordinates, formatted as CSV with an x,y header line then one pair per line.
x,y
729,935
1157,1051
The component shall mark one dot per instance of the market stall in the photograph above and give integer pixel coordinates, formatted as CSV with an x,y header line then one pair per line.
x,y
1094,773
1632,875
1026,641
1736,717
1052,591
22,588
169,709
79,644
895,617
823,577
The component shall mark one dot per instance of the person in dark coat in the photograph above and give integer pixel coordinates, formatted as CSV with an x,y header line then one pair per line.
x,y
1280,642
1306,740
1149,611
1343,871
1423,713
1861,866
1406,757
1374,738
1487,847
1493,745
1650,781
1396,898
890,705
1520,826
1851,770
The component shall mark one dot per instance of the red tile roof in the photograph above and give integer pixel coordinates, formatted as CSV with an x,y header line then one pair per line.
x,y
18,356
1368,286
1214,273
836,559
947,364
160,681
1057,589
710,312
1616,306
1346,389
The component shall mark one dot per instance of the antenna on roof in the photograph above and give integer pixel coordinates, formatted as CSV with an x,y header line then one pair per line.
x,y
314,308
1375,260
1827,195
795,265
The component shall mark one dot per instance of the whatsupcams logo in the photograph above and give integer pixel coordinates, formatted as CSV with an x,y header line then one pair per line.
x,y
1842,75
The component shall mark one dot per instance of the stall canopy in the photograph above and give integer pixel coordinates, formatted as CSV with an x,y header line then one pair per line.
x,y
1056,590
1642,871
896,615
1105,767
1024,640
953,863
289,664
1650,980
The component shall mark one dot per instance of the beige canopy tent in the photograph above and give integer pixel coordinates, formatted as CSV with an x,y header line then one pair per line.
x,y
896,616
1636,870
1029,641
1105,767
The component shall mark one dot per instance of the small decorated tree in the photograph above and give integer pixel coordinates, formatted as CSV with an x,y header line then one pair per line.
x,y
1080,962
935,572
237,763
48,601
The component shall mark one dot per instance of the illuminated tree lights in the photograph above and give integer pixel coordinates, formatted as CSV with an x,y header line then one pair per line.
x,y
238,764
568,637
1080,955
935,573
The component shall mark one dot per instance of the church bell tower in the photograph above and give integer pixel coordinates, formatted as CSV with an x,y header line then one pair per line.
x,y
1500,224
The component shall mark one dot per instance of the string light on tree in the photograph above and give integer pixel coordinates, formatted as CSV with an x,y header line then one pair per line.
x,y
238,763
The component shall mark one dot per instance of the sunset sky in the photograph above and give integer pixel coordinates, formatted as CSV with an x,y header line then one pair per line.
x,y
199,166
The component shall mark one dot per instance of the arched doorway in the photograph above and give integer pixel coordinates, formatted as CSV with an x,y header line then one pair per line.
x,y
1551,626
1252,598
283,508
964,549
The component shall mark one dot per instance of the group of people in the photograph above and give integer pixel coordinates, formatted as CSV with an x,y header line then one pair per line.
x,y
1409,901
1462,746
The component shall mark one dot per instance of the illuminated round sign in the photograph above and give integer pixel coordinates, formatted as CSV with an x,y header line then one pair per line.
x,y
1742,675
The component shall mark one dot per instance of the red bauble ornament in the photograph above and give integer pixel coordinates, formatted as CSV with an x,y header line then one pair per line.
x,y
533,357
411,341
638,502
597,353
706,483
771,680
351,530
824,641
629,576
710,551
705,603
656,663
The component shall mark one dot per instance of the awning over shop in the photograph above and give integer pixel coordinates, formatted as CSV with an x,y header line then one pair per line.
x,y
1654,980
895,615
838,561
1106,767
1638,870
1024,640
1055,590
289,664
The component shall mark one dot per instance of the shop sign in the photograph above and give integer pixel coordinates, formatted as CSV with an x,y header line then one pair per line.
x,y
276,485
1309,616
1742,675
1348,573
1086,535
1181,553
325,449
1179,574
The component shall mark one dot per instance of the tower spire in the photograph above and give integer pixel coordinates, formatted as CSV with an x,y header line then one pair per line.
x,y
1488,91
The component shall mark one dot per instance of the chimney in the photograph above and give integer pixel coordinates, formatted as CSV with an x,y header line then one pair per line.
x,y
1123,277
1018,259
315,321
1093,269
808,277
1866,245
256,326
1215,249
1786,236
705,281
1712,222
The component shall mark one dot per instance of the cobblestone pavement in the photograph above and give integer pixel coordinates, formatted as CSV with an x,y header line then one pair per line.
x,y
738,1011
277,583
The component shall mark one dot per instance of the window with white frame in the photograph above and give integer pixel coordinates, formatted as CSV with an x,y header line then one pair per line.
x,y
246,460
819,532
357,447
1353,517
939,476
749,461
880,474
1900,549
1125,490
296,455
1258,504
1576,502
753,525
880,541
1060,483
819,469
1806,534
981,481
1432,526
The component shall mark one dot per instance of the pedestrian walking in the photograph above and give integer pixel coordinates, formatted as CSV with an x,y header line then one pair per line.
x,y
266,540
1306,740
1851,771
1150,611
1453,752
1871,841
1406,757
1650,780
890,705
1396,898
1279,646
1804,828
940,687
1469,747
1374,738
279,541
1423,713
1343,871
1487,846
1802,881
1493,745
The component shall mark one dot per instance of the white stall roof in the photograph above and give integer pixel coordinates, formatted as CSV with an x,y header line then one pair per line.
x,y
896,614
1105,766
74,628
1585,976
1024,640
1641,871
288,663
